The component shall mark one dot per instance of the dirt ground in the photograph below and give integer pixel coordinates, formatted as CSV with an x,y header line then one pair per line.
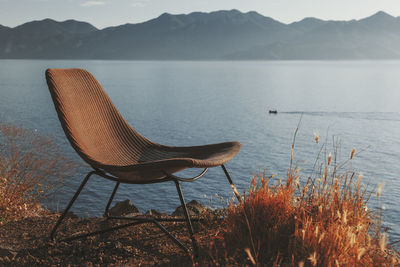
x,y
27,243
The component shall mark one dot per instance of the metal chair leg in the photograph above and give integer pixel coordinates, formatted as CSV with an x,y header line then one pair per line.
x,y
183,203
136,220
110,200
61,218
187,217
232,184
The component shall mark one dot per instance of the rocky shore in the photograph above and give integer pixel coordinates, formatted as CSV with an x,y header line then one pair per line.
x,y
26,242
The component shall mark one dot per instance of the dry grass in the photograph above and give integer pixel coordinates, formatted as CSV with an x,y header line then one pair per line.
x,y
323,222
31,168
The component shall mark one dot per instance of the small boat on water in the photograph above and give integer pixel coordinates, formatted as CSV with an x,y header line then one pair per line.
x,y
273,111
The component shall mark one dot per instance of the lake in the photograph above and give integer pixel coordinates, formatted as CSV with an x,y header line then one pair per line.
x,y
185,103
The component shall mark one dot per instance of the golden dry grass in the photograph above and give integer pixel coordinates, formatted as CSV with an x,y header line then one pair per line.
x,y
323,222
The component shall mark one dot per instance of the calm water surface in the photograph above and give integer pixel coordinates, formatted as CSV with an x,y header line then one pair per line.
x,y
194,103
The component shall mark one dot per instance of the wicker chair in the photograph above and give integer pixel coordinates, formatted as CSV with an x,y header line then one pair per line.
x,y
115,151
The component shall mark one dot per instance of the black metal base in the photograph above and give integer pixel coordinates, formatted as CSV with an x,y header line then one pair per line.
x,y
136,220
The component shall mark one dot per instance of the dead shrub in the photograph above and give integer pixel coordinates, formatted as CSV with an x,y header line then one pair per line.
x,y
31,169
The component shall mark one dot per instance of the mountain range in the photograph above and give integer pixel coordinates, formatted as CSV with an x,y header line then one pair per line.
x,y
230,35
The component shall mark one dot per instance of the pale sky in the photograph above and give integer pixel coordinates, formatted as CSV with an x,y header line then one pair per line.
x,y
104,13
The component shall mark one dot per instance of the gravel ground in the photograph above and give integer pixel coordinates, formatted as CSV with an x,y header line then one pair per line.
x,y
27,243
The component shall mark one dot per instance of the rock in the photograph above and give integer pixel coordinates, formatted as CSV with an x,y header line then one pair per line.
x,y
131,215
155,213
7,252
122,208
194,208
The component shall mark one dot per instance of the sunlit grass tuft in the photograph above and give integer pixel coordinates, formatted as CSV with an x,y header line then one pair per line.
x,y
322,222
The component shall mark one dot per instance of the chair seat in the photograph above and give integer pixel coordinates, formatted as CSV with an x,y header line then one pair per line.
x,y
102,137
155,161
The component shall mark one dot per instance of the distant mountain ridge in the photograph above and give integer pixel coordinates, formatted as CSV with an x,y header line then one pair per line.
x,y
231,35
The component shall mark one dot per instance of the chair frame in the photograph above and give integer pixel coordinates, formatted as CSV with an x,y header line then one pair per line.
x,y
140,219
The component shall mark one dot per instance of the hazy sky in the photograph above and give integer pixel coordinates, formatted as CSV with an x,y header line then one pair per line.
x,y
103,13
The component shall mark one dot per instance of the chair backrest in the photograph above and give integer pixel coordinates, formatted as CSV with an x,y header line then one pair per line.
x,y
92,124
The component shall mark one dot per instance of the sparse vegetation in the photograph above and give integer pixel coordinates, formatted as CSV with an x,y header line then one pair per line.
x,y
31,168
323,222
